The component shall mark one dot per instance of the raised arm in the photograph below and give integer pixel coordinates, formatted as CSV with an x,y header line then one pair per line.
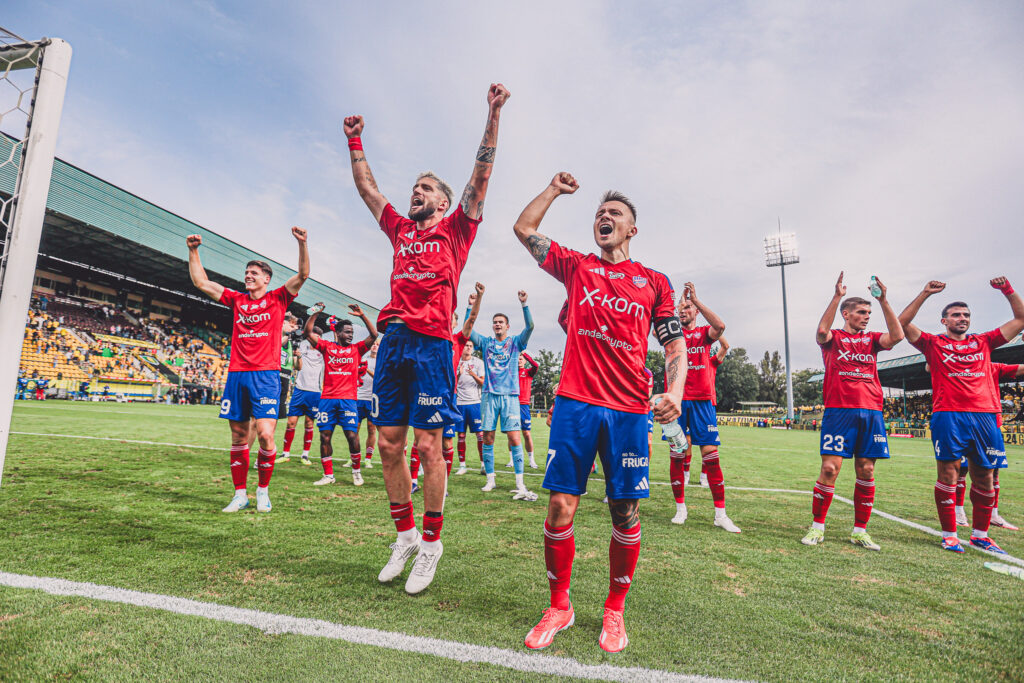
x,y
894,335
529,220
1012,328
524,336
474,310
913,332
476,189
716,323
361,174
357,311
824,333
667,409
307,329
198,273
723,349
295,282
534,365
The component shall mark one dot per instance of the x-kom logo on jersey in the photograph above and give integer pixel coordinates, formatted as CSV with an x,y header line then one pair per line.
x,y
598,299
850,355
953,358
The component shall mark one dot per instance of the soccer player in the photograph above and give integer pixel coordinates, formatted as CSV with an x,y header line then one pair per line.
x,y
964,406
459,343
414,384
1000,371
309,377
699,419
602,404
469,379
853,425
338,399
364,399
500,400
253,385
527,370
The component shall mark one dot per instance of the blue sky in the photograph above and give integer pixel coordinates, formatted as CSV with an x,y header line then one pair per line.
x,y
886,135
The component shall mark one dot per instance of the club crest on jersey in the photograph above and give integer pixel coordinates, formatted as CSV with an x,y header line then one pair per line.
x,y
639,281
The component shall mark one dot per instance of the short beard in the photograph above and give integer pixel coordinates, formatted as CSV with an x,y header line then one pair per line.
x,y
420,214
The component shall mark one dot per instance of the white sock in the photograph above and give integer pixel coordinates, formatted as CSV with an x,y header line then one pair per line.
x,y
305,454
995,511
680,507
264,489
960,510
720,513
490,478
531,455
242,493
979,534
430,546
820,526
519,482
950,534
408,536
859,530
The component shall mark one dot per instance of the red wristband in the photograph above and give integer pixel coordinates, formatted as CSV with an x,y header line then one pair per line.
x,y
1006,289
355,143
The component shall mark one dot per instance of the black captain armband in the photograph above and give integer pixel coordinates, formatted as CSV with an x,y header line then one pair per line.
x,y
667,329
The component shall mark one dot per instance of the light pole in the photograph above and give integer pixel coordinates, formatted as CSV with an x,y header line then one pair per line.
x,y
780,250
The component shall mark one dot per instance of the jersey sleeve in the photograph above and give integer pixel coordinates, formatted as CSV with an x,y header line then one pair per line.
x,y
478,340
464,228
228,297
664,302
561,262
321,345
523,338
391,222
925,341
285,296
994,338
876,341
363,347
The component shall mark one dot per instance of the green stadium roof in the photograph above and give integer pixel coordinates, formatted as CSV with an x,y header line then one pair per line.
x,y
93,222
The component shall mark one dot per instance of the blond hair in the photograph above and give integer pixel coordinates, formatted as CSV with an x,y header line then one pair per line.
x,y
442,185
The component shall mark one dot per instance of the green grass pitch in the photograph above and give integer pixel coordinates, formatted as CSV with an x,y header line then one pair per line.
x,y
758,605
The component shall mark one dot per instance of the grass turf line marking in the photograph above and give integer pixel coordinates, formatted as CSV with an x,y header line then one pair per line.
x,y
906,522
271,623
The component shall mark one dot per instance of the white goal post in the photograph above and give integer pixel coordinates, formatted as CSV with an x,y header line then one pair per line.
x,y
33,76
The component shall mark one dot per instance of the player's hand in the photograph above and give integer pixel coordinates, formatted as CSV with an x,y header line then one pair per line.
x,y
690,291
933,287
497,96
667,408
355,310
840,287
472,299
193,241
353,126
1002,284
479,289
880,297
522,296
564,183
299,233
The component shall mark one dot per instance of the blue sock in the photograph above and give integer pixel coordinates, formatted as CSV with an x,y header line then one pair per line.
x,y
489,459
517,459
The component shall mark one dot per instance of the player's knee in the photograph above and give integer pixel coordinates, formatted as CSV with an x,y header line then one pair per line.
x,y
829,470
625,513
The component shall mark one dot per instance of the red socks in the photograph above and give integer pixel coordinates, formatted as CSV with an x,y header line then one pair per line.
x,y
239,466
981,507
686,459
863,502
307,441
265,466
945,499
432,522
480,447
676,468
355,461
559,551
961,489
820,501
369,453
402,516
328,462
289,436
414,463
716,480
449,457
462,450
995,488
623,552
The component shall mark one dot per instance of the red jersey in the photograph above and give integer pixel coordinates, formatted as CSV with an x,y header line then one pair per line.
x,y
1002,371
526,379
715,362
341,368
851,372
700,381
256,328
611,310
962,374
459,342
426,269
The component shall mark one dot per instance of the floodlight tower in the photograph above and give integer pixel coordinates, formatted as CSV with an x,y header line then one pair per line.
x,y
780,250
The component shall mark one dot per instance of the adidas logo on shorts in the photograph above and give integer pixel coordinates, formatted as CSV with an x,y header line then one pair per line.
x,y
642,486
435,418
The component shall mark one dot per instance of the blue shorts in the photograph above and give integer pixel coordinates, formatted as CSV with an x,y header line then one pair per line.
x,y
449,431
650,422
524,416
414,382
969,435
304,403
365,408
854,432
250,393
579,431
470,418
341,412
700,422
496,408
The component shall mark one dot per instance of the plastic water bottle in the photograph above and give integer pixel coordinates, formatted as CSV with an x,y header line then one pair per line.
x,y
876,291
673,432
1009,570
314,309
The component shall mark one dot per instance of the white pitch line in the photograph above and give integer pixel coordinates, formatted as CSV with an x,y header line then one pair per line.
x,y
886,515
271,623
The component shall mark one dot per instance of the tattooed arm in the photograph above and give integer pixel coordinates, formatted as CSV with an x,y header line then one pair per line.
x,y
361,174
529,220
476,189
675,378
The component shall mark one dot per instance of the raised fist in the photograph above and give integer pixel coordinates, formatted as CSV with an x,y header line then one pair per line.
x,y
840,287
355,310
193,241
479,288
353,126
497,96
1002,284
564,183
299,233
934,287
522,297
